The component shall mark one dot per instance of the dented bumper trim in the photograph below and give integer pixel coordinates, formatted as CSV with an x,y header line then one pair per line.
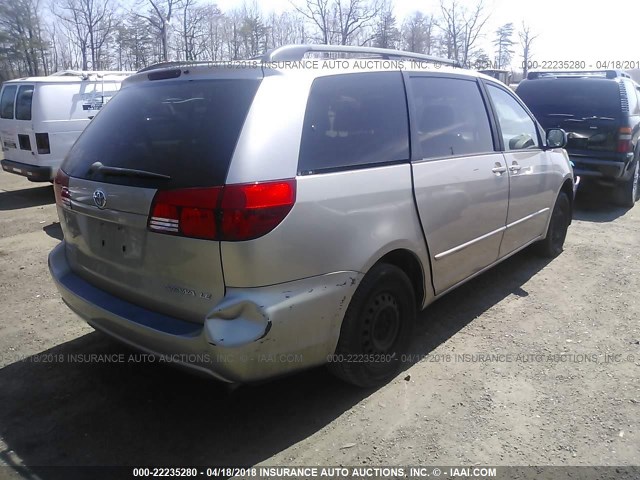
x,y
252,334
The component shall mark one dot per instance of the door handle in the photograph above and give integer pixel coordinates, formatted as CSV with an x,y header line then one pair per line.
x,y
499,169
515,167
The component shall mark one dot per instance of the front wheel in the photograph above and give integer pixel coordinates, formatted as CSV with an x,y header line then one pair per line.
x,y
553,243
377,328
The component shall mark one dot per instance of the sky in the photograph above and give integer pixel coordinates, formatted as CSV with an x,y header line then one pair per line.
x,y
573,30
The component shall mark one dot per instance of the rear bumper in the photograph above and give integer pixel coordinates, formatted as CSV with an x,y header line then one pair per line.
x,y
617,169
251,335
34,173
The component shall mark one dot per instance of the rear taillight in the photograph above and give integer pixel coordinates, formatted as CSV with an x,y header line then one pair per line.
x,y
61,189
189,212
624,141
42,143
229,213
250,211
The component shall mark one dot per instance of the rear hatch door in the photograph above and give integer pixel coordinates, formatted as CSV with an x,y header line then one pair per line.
x,y
588,109
168,134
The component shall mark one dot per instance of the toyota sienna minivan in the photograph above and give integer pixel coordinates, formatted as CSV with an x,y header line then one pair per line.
x,y
252,219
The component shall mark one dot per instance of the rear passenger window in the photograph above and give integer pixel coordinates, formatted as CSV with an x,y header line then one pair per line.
x,y
634,103
451,118
7,101
518,129
354,120
23,102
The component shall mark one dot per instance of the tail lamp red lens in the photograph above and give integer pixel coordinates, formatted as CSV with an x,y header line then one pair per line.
x,y
61,189
624,141
229,213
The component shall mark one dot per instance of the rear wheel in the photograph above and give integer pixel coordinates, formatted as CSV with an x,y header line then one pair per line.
x,y
377,328
628,193
553,243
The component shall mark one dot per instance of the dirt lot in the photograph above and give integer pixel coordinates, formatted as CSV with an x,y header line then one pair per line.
x,y
456,408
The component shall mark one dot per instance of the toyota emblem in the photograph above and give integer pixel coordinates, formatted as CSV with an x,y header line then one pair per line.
x,y
100,199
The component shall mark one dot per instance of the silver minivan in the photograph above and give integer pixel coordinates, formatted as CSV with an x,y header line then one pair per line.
x,y
251,219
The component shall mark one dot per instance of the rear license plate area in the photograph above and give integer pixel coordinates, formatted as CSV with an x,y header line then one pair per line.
x,y
111,240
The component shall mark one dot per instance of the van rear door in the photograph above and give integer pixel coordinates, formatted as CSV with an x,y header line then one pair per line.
x,y
8,133
173,135
18,139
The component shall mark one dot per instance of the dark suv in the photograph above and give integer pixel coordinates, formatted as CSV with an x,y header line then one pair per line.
x,y
601,112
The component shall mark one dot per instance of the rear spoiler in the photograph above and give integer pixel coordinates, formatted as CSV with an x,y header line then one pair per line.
x,y
577,74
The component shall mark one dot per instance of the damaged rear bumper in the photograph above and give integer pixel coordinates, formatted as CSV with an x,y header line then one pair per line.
x,y
251,335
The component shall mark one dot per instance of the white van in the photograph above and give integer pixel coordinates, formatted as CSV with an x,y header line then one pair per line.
x,y
41,117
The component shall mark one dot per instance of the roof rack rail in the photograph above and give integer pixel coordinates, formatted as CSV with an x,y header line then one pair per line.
x,y
88,73
577,73
297,52
173,64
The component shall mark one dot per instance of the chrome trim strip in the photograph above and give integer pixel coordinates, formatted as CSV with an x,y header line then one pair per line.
x,y
488,267
487,235
165,220
469,243
528,217
162,228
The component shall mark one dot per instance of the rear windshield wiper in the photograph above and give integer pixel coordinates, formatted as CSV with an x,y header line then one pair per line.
x,y
125,172
560,115
598,118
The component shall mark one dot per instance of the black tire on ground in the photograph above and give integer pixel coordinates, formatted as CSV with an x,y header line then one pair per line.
x,y
552,245
626,194
377,328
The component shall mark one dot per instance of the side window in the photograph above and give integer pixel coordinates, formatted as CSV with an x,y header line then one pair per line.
x,y
355,119
7,101
518,129
634,103
23,102
451,118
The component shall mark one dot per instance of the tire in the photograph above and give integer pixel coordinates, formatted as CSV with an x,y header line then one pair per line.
x,y
377,328
553,243
628,193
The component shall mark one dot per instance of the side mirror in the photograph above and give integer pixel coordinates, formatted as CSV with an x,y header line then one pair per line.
x,y
556,138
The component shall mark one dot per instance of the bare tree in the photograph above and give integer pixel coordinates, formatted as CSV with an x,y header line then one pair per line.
x,y
21,39
319,12
159,16
253,30
386,34
193,19
286,28
232,36
417,33
461,28
214,30
526,39
89,23
353,16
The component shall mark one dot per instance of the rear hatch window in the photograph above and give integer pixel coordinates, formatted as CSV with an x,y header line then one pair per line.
x,y
588,109
553,99
186,130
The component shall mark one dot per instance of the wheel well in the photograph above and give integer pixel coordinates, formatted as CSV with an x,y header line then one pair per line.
x,y
409,264
567,187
